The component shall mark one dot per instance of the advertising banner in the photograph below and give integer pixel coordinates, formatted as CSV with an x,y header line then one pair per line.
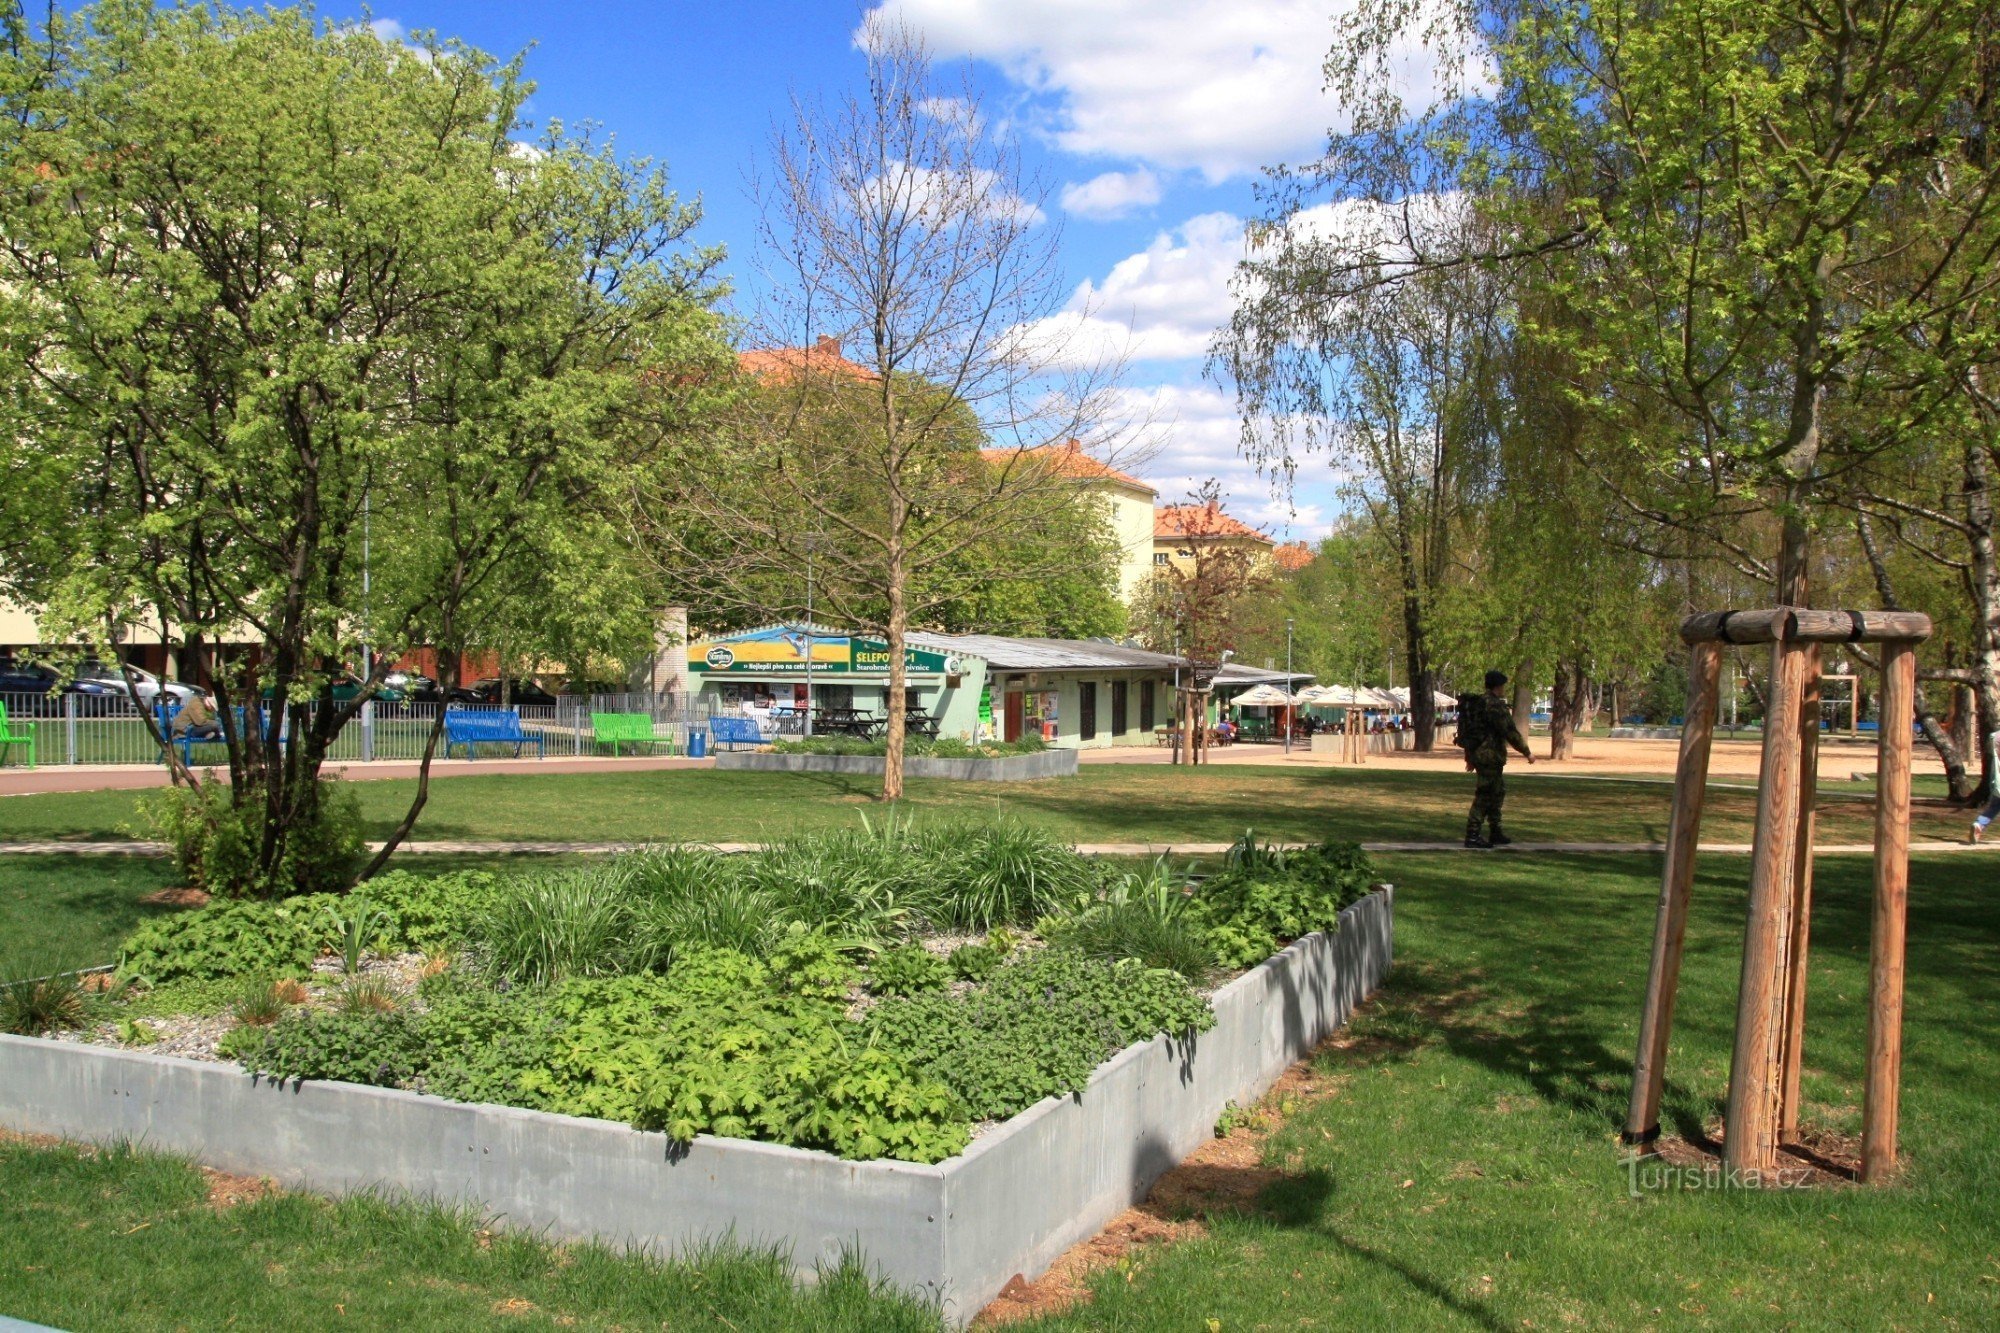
x,y
781,650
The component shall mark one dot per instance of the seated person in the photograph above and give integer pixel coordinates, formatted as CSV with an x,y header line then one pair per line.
x,y
196,721
1225,731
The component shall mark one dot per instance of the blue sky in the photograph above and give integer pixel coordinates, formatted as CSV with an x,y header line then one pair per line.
x,y
1149,120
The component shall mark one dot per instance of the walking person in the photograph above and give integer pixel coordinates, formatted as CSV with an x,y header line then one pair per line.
x,y
1485,730
1992,809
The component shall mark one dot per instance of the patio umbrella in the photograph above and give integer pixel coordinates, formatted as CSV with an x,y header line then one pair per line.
x,y
1263,696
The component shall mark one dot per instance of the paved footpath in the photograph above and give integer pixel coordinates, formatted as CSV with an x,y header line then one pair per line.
x,y
57,848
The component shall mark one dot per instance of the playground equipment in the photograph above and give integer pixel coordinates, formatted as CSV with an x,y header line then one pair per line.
x,y
1762,1112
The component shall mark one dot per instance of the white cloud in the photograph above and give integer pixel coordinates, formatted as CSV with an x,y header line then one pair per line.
x,y
1224,87
941,196
1112,195
387,30
1163,304
1196,435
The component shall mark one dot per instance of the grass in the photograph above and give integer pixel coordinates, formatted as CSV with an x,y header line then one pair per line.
x,y
1103,803
114,1239
1464,1173
60,912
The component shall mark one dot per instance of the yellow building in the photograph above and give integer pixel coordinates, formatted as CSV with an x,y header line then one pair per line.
x,y
1179,529
1128,504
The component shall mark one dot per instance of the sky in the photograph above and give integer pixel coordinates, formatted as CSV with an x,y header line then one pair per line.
x,y
1149,120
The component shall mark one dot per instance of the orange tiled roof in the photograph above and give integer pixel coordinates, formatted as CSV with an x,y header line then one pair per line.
x,y
1170,521
1071,461
1292,556
823,356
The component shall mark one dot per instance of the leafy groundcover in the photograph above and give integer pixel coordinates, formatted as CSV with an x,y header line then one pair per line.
x,y
876,992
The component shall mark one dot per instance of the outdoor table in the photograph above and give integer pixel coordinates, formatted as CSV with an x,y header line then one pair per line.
x,y
845,721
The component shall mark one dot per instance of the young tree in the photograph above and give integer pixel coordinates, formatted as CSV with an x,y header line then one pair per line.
x,y
915,379
310,351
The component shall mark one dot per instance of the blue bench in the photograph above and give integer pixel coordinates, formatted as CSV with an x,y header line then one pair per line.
x,y
734,731
487,726
166,714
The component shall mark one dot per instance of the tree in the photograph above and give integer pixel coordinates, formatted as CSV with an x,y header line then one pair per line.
x,y
1391,380
308,349
912,377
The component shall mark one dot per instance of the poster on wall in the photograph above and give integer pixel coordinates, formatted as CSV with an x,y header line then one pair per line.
x,y
784,649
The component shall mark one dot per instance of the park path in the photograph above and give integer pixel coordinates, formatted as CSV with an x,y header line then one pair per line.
x,y
468,848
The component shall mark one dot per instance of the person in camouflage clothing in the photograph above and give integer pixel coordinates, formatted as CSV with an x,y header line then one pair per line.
x,y
1492,731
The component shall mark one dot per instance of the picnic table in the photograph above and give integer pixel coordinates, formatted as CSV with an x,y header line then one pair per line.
x,y
845,722
920,724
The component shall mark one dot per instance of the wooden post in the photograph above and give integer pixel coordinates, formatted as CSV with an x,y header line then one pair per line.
x,y
1892,887
1793,1037
1750,1135
1656,1019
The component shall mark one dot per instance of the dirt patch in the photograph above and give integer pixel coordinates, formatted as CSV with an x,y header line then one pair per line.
x,y
226,1191
1819,1159
179,897
1225,1175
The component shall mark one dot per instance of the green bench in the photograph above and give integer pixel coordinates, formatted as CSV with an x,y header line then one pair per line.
x,y
620,729
16,733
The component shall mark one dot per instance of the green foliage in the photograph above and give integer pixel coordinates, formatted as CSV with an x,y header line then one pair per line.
x,y
811,965
1038,1028
258,1005
368,1046
1002,873
568,923
353,928
1133,930
137,1032
975,962
909,970
223,939
366,995
31,1006
478,1044
1266,897
429,912
215,834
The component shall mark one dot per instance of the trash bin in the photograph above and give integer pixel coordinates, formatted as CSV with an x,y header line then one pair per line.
x,y
697,743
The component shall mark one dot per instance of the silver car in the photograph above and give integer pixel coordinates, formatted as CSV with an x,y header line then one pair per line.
x,y
145,687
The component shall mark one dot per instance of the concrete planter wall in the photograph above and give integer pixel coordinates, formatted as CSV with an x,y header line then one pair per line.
x,y
1008,768
1013,1202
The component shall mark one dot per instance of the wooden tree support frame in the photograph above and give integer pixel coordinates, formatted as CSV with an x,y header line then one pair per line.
x,y
1763,1107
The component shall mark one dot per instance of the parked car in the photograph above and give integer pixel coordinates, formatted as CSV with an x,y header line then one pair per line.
x,y
44,686
486,693
414,686
146,688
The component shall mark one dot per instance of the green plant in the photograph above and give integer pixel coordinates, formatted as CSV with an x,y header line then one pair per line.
x,y
137,1032
429,912
214,832
353,929
1002,872
1038,1028
909,970
221,940
1137,931
1265,898
367,995
258,1005
974,962
570,923
30,1006
382,1049
729,914
812,964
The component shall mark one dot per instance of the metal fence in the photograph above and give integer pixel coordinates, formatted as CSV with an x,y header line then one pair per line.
x,y
109,729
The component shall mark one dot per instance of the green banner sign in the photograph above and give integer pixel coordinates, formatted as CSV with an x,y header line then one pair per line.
x,y
782,650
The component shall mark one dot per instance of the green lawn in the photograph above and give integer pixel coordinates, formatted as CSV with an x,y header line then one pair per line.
x,y
1465,1173
61,912
1104,803
116,1240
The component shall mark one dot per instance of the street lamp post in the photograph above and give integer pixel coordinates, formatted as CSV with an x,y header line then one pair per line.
x,y
1288,683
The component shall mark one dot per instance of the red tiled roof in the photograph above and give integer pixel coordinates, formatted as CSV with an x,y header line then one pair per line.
x,y
1292,556
823,356
1071,461
1200,521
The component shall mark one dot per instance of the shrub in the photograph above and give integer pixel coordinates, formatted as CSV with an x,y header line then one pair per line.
x,y
727,914
571,923
222,940
258,1005
213,831
429,912
1038,1028
30,1006
860,882
1131,930
366,995
1265,898
382,1049
910,970
477,1044
1002,872
915,747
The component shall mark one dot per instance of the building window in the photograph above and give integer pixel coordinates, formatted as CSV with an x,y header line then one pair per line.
x,y
1162,558
1086,710
1147,701
1121,701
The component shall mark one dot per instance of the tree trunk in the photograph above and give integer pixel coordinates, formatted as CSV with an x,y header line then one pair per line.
x,y
1423,683
1565,707
899,675
1984,579
1524,695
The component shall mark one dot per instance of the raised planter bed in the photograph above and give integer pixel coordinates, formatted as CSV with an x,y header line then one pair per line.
x,y
1010,1204
1006,768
